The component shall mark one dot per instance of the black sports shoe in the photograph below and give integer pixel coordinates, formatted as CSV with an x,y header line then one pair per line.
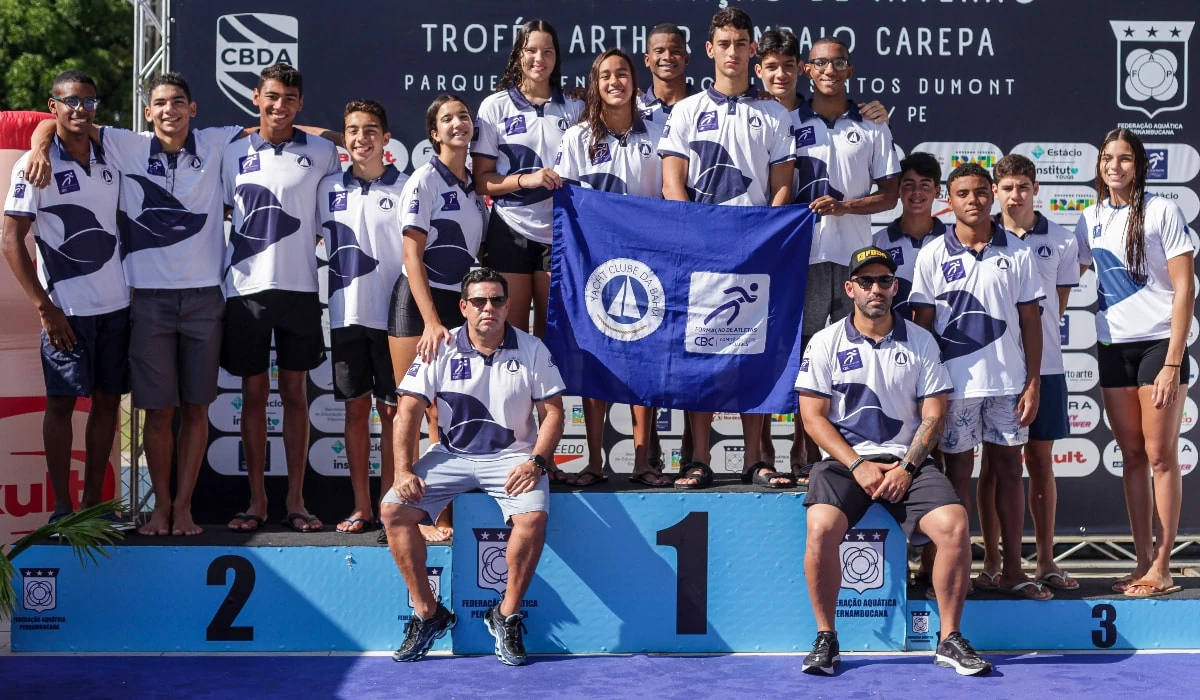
x,y
825,655
420,634
510,646
957,653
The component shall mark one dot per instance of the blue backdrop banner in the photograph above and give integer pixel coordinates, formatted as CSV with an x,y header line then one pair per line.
x,y
677,304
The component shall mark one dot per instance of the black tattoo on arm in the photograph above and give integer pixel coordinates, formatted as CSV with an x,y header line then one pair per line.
x,y
929,434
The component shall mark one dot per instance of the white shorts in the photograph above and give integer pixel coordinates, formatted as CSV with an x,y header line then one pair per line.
x,y
447,475
972,421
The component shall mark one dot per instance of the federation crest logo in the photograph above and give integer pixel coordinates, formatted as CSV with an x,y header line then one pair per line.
x,y
156,167
1152,65
491,566
67,181
861,553
625,299
337,201
514,125
39,588
920,622
247,43
434,574
953,270
707,121
727,313
449,201
805,136
849,359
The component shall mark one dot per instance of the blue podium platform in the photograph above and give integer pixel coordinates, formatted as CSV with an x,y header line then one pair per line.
x,y
644,571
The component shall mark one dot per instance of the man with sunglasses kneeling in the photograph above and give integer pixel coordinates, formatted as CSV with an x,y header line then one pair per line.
x,y
873,393
487,383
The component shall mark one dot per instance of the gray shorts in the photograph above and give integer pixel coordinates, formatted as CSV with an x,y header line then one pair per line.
x,y
447,475
825,297
175,346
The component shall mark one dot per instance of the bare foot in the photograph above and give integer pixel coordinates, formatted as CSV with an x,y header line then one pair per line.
x,y
159,524
434,533
184,525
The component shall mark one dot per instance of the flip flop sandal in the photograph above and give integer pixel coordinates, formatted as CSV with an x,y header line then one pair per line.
x,y
1153,590
753,475
1122,584
364,521
644,478
801,473
288,522
698,471
992,581
556,475
1020,591
1060,582
590,479
247,517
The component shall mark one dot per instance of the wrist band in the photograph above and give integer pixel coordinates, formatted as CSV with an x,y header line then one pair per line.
x,y
519,187
857,462
1168,365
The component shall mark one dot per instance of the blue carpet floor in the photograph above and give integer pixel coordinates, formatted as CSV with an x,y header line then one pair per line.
x,y
1073,676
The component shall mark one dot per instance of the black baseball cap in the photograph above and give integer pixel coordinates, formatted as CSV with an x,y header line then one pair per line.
x,y
871,254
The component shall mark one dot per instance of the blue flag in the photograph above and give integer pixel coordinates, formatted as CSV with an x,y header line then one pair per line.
x,y
677,304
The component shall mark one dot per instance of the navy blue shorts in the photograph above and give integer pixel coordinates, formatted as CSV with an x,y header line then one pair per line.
x,y
99,361
1051,422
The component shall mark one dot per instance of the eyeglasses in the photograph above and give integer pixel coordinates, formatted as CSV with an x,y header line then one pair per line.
x,y
866,281
88,103
480,302
837,63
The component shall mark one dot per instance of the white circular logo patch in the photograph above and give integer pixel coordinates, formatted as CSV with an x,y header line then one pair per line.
x,y
625,299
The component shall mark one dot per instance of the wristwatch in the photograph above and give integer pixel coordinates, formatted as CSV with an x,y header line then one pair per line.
x,y
540,462
909,467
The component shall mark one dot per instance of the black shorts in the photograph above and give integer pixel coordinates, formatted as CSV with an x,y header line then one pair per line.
x,y
831,483
362,364
1136,364
293,317
404,318
98,362
505,250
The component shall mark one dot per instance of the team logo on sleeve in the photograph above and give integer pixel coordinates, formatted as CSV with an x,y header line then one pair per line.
x,y
1152,65
625,299
414,207
804,364
40,589
337,201
953,270
514,125
67,180
806,136
460,368
491,571
156,167
19,190
666,131
897,254
249,164
850,359
558,157
602,155
248,42
862,558
413,369
707,121
449,201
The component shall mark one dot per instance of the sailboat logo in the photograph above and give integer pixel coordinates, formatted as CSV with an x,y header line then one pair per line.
x,y
625,299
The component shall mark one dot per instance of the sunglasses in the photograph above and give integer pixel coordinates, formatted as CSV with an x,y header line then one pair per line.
x,y
867,281
480,302
88,103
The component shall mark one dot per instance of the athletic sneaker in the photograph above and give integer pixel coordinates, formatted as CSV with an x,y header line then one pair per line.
x,y
419,635
825,655
510,646
957,653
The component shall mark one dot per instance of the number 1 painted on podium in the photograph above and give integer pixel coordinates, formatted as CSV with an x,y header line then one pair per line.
x,y
689,537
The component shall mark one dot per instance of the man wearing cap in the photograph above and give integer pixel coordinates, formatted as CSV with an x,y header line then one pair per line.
x,y
873,396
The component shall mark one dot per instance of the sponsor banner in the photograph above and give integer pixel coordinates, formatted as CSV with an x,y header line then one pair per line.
x,y
225,456
1171,162
573,423
1188,420
1061,162
394,153
692,551
668,421
225,413
1075,457
1085,294
1082,370
1077,330
1184,197
328,457
217,599
621,456
1064,204
571,455
1083,413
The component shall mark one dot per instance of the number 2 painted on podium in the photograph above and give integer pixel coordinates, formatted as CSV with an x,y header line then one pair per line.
x,y
689,537
221,628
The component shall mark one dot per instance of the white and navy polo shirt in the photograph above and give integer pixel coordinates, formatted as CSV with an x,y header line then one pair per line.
x,y
730,144
276,219
453,219
975,298
874,388
842,159
653,109
1056,257
523,138
1132,309
485,402
903,248
627,164
361,226
172,220
75,229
